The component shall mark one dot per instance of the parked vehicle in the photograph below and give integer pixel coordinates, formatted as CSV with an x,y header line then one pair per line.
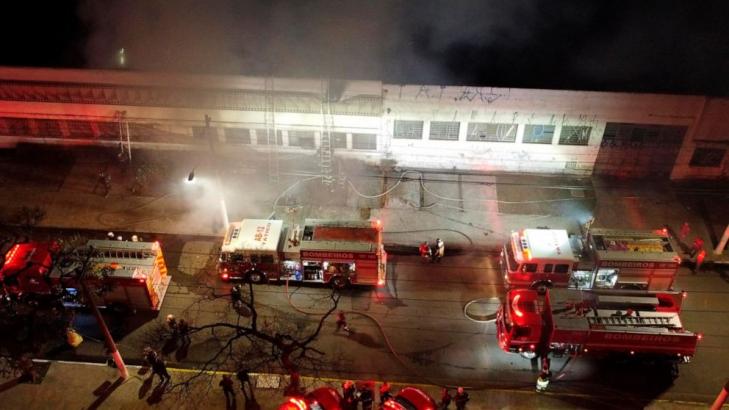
x,y
335,252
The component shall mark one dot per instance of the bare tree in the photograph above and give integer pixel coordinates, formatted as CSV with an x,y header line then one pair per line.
x,y
251,341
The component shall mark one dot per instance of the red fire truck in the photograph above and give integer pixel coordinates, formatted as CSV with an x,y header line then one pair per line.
x,y
604,258
639,323
133,274
321,251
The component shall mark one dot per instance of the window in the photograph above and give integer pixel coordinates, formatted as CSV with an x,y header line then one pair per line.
x,y
530,267
573,135
412,130
538,134
238,135
263,136
108,130
14,126
707,157
338,139
303,139
203,132
364,141
444,130
561,268
48,128
548,268
482,131
80,129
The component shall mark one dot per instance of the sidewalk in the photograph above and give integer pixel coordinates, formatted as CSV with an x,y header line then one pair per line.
x,y
87,386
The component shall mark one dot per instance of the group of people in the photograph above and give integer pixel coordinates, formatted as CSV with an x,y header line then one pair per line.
x,y
179,330
227,384
434,254
459,399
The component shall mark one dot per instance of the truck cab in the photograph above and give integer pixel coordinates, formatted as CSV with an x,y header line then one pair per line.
x,y
538,259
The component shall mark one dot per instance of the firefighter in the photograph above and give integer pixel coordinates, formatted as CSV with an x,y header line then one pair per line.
x,y
184,329
365,396
236,297
445,399
172,324
425,252
342,322
348,400
461,398
439,251
697,247
385,392
542,381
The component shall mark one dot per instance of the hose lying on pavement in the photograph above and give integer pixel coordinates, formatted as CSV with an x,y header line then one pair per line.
x,y
382,332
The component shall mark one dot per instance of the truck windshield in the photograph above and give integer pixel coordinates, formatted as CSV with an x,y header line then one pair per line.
x,y
510,260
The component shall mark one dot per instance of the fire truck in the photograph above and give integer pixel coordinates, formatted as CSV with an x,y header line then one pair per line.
x,y
637,323
125,274
334,252
604,258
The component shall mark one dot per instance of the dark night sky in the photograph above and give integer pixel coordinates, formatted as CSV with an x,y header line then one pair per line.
x,y
639,45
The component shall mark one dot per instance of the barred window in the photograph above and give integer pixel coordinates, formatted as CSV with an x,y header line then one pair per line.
x,y
338,139
238,135
204,132
707,157
263,137
488,132
444,130
108,130
14,126
574,135
80,129
364,141
303,139
538,134
48,128
412,130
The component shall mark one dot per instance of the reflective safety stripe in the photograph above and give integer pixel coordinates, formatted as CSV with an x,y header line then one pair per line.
x,y
542,383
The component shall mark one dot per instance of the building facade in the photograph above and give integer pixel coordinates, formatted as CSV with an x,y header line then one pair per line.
x,y
423,126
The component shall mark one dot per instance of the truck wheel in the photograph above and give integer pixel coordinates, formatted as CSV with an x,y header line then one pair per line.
x,y
541,287
256,277
338,282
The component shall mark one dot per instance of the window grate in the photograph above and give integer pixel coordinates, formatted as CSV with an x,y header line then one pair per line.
x,y
491,132
444,130
412,130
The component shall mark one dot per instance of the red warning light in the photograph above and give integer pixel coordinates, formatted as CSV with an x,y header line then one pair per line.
x,y
700,336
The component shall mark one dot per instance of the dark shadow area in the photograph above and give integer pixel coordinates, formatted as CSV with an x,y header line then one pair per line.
x,y
364,339
145,387
104,391
157,394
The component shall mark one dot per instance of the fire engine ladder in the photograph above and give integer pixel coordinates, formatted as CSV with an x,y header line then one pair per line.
x,y
630,321
325,148
124,135
270,126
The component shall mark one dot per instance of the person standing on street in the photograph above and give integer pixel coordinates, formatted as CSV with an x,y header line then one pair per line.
x,y
366,397
244,380
349,402
439,250
445,399
173,326
385,392
160,369
461,399
697,247
425,252
184,330
342,322
227,384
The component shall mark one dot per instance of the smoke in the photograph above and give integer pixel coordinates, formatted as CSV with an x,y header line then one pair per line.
x,y
513,43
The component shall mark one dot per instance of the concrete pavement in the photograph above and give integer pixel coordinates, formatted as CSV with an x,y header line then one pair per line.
x,y
467,211
91,386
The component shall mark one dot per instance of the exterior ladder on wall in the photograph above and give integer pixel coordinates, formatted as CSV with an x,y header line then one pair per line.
x,y
270,126
325,146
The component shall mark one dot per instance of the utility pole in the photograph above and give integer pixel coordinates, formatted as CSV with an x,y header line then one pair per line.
x,y
123,373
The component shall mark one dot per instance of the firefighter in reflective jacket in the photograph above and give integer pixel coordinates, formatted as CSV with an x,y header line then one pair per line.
x,y
542,381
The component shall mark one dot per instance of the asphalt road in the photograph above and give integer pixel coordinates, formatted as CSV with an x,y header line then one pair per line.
x,y
414,329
